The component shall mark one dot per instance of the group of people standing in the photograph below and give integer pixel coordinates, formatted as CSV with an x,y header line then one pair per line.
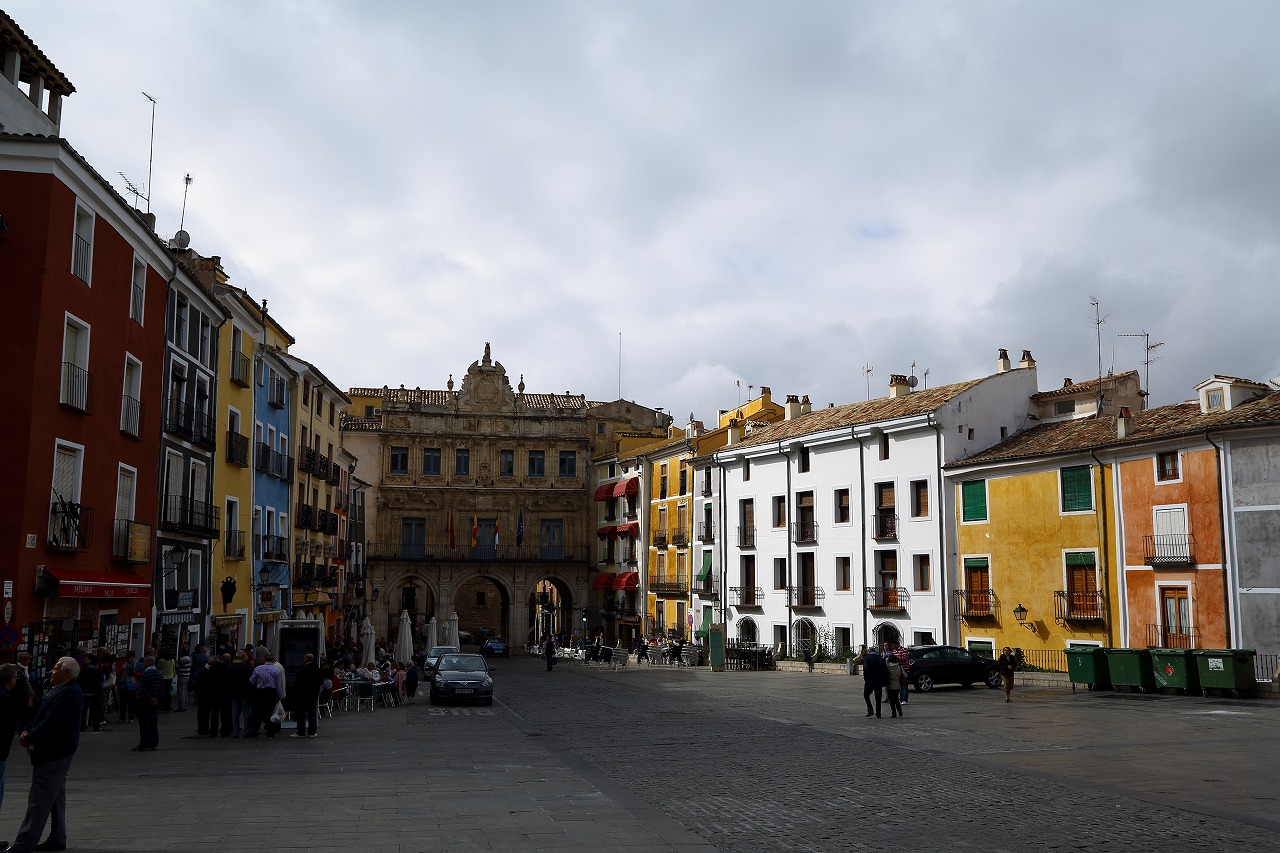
x,y
888,670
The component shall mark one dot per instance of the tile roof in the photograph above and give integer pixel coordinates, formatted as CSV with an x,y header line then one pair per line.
x,y
1164,422
853,414
32,55
1081,387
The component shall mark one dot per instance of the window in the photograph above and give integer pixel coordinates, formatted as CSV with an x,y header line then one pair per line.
x,y
884,445
75,364
921,572
204,352
551,539
842,506
684,480
413,537
131,397
506,463
971,433
1167,466
138,292
462,462
802,464
1064,407
779,504
977,585
662,482
399,460
843,574
568,463
306,392
178,323
779,572
1077,489
430,461
973,500
1214,398
746,470
1004,433
65,518
537,463
82,245
919,498
331,411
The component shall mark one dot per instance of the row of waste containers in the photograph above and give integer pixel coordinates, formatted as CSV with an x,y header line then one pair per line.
x,y
1191,671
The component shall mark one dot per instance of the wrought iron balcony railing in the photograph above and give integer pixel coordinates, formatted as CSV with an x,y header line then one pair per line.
x,y
707,588
806,596
1169,549
804,532
70,526
241,369
1165,637
304,516
884,525
680,536
237,448
81,258
189,515
233,545
975,603
277,394
706,532
660,538
178,418
746,596
1079,606
887,598
131,416
76,382
275,548
747,537
125,533
668,583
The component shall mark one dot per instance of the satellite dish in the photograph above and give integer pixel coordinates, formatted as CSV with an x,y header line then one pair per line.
x,y
912,382
182,239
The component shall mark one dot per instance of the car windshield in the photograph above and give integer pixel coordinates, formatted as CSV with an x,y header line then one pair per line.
x,y
497,641
462,663
436,651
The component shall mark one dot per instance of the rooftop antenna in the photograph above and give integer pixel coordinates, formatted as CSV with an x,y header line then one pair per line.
x,y
619,365
1098,320
867,370
738,384
151,154
186,185
1146,362
924,379
132,190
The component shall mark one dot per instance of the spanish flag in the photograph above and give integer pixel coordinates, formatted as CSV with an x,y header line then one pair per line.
x,y
475,530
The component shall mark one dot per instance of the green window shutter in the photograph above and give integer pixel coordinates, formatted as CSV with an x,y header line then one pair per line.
x,y
973,497
975,562
1077,494
706,566
1080,558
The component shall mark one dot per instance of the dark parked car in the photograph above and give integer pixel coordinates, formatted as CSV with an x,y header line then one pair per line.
x,y
435,653
495,647
932,665
459,676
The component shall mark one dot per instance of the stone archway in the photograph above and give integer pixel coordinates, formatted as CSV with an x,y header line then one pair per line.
x,y
414,594
550,606
886,632
483,604
747,630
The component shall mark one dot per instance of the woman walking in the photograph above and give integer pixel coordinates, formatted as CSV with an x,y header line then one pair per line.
x,y
1007,663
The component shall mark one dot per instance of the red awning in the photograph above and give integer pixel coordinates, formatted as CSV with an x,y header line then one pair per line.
x,y
604,492
607,531
629,486
604,580
77,584
627,581
631,529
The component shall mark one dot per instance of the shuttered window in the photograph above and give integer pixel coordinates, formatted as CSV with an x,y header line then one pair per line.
x,y
973,497
1077,492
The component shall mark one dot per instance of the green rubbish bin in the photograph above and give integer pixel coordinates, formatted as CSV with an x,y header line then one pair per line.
x,y
1175,668
1131,668
1226,669
1088,665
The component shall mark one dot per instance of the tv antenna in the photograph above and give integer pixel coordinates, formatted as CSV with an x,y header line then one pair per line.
x,y
1146,361
151,154
1098,320
132,190
867,371
186,185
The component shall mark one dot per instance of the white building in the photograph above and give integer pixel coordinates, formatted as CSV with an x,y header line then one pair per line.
x,y
834,523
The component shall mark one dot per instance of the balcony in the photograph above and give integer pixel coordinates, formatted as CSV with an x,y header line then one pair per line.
x,y
131,416
237,449
884,525
668,583
335,474
81,257
746,537
706,489
806,596
262,457
277,394
188,515
629,511
304,516
233,545
680,536
178,417
1169,550
331,523
275,548
887,598
307,457
204,429
322,467
241,369
706,588
746,596
137,301
706,533
975,603
1079,606
70,526
660,538
462,551
1162,637
131,541
804,532
75,387
281,466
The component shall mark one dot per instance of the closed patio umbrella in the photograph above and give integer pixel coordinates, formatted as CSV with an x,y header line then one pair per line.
x,y
404,640
429,633
367,653
451,628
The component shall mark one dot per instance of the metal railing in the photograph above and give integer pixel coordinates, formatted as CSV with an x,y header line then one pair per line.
x,y
668,583
241,369
884,525
178,417
121,535
975,603
237,448
191,515
262,457
746,596
806,596
1169,549
462,550
660,538
70,526
137,300
887,597
204,429
307,457
81,258
1164,637
706,588
1043,660
74,393
131,416
804,532
746,537
706,532
275,548
233,545
277,396
680,536
1079,606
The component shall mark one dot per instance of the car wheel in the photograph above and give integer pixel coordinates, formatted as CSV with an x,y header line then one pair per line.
x,y
924,683
993,679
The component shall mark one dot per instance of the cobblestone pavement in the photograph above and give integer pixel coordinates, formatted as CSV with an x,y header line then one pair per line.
x,y
658,759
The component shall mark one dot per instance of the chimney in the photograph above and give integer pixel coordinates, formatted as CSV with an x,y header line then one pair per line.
x,y
792,409
733,435
764,394
898,386
1124,423
1002,361
1027,361
1067,383
805,406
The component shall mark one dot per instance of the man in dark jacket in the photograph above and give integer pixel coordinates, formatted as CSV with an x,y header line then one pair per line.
x,y
875,677
52,737
306,696
241,694
90,679
151,687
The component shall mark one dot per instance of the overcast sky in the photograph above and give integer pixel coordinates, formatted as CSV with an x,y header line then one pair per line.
x,y
758,193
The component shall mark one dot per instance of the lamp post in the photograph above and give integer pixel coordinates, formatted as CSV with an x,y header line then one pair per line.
x,y
1020,613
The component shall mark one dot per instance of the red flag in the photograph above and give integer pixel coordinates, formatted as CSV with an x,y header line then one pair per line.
x,y
452,543
475,530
